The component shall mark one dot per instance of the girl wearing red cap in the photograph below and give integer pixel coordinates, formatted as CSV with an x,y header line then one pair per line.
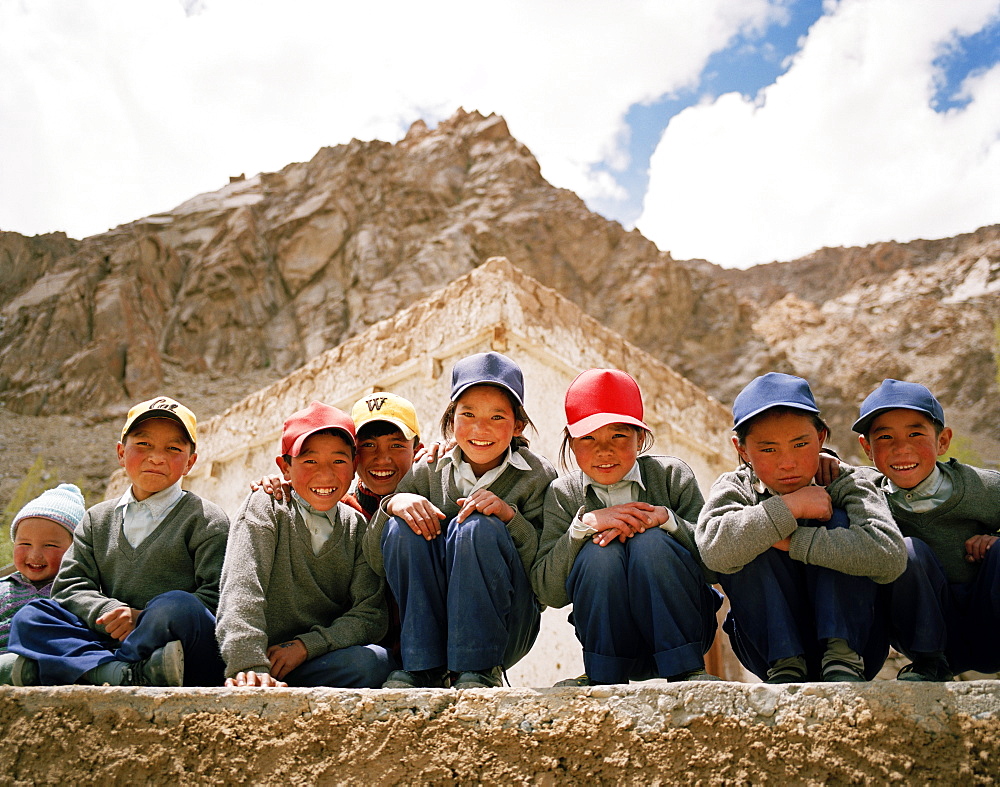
x,y
456,540
618,543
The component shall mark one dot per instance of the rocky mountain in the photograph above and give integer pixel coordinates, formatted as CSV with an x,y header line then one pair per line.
x,y
233,288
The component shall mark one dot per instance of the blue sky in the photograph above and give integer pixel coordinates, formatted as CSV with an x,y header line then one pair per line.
x,y
738,131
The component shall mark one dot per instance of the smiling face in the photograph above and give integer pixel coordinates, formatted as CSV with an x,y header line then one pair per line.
x,y
39,545
484,425
904,445
783,450
156,454
608,453
383,460
322,472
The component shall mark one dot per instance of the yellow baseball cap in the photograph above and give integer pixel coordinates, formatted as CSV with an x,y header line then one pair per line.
x,y
162,407
384,406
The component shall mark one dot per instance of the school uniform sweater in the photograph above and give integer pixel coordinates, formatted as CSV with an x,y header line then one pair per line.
x,y
668,482
276,589
102,571
973,508
738,523
524,490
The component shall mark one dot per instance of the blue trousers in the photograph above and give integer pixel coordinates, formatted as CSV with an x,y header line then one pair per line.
x,y
780,607
356,667
641,609
464,598
65,647
927,614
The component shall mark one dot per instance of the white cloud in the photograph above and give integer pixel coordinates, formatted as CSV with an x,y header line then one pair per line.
x,y
844,149
114,109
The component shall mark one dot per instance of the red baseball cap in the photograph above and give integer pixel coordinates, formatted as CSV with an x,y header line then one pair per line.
x,y
598,397
314,418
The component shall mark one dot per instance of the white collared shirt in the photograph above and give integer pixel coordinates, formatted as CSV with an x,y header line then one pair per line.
x,y
142,517
318,523
463,477
925,496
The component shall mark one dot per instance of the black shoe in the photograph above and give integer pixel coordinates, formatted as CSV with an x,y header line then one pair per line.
x,y
930,669
488,679
835,671
435,678
24,672
582,680
695,674
788,670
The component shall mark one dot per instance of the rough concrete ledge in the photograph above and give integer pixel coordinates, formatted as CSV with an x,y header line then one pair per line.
x,y
707,733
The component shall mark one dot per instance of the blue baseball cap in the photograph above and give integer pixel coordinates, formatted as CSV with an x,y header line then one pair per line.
x,y
773,389
898,395
487,369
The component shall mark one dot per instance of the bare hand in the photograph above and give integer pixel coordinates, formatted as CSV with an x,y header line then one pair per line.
x,y
626,520
251,678
829,469
809,502
423,517
784,545
286,657
485,502
119,622
977,547
276,486
434,451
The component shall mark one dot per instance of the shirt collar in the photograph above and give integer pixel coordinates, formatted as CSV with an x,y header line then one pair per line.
x,y
158,504
456,458
634,475
300,501
926,489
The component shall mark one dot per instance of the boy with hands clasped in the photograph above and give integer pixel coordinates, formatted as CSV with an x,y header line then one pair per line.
x,y
944,611
299,603
134,600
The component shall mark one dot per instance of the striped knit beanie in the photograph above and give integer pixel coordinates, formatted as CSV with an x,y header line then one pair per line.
x,y
63,505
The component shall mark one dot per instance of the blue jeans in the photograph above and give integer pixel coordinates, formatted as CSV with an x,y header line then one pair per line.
x,y
356,667
464,597
927,614
780,607
641,609
66,648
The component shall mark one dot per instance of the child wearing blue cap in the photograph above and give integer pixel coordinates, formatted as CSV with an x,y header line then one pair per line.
x,y
457,539
944,612
798,561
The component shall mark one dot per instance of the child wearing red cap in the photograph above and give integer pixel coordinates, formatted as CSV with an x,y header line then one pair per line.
x,y
299,605
457,538
799,562
618,543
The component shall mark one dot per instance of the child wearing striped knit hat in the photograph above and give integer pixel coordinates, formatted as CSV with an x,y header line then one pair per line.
x,y
42,531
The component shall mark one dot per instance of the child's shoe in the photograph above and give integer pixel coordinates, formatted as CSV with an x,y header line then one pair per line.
x,y
695,674
582,680
164,667
488,679
791,669
17,670
927,667
435,678
841,663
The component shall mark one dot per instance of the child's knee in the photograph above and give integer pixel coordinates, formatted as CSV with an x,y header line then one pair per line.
x,y
176,607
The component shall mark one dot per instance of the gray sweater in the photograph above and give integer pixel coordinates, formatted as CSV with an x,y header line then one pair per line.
x,y
669,482
973,509
738,523
276,589
102,571
522,489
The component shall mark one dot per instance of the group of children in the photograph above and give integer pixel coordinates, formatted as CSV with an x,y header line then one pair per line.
x,y
368,568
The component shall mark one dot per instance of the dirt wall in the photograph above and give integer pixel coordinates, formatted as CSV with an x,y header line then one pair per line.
x,y
721,733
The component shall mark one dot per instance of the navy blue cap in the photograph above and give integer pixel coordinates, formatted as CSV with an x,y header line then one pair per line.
x,y
487,369
897,395
773,389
